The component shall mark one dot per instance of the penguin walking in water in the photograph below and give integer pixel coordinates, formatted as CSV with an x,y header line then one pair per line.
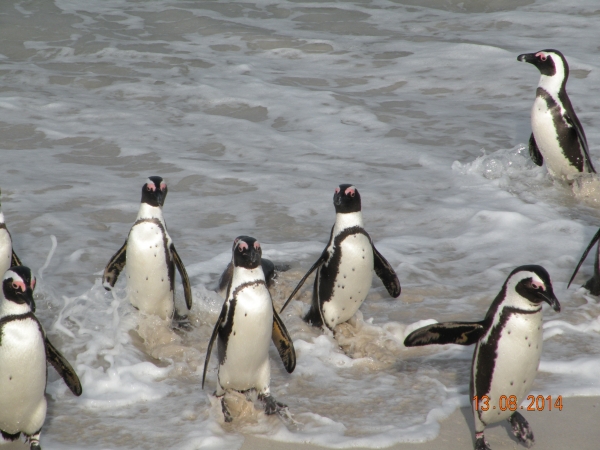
x,y
151,258
593,284
345,268
24,350
246,325
507,351
268,267
557,136
8,257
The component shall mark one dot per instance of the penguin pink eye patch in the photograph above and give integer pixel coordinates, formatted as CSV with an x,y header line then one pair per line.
x,y
337,190
151,187
256,245
541,55
538,285
350,191
20,285
242,246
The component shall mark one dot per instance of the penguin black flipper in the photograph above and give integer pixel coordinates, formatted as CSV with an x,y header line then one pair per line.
x,y
15,261
220,321
64,369
462,333
575,124
187,290
317,264
593,285
534,151
282,340
386,273
114,267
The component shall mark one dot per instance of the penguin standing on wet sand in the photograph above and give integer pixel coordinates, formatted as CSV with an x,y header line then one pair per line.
x,y
507,352
345,268
151,258
557,136
246,325
8,258
24,350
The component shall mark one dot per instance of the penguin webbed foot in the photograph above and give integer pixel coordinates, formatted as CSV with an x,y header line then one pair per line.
x,y
226,413
272,406
481,444
521,429
181,322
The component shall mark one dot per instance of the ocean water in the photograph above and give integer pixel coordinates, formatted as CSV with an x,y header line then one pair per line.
x,y
253,113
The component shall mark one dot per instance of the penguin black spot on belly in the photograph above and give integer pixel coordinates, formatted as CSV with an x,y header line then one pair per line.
x,y
245,314
511,383
146,278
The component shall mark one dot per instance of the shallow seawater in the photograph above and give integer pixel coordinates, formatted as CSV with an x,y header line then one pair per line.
x,y
253,113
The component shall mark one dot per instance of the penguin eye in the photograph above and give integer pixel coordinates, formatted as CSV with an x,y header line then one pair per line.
x,y
543,57
337,190
15,285
351,193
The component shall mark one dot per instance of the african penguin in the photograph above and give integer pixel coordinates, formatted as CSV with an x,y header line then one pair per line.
x,y
24,350
269,270
247,323
558,136
345,268
508,348
8,258
151,258
593,284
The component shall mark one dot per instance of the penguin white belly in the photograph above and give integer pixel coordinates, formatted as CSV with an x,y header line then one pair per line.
x,y
353,281
5,251
147,268
22,377
547,141
519,352
246,363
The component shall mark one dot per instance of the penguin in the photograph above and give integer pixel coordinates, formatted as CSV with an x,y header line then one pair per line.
x,y
345,268
247,323
151,258
507,351
268,267
557,136
593,284
24,351
8,257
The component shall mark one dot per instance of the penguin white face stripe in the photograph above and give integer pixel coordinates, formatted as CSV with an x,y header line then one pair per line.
x,y
351,191
150,184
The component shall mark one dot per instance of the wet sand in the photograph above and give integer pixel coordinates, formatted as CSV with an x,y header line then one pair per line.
x,y
575,427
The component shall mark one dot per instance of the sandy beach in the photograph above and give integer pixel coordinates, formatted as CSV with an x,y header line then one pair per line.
x,y
576,427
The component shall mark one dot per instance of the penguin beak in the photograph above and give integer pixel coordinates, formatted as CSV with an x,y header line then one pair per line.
x,y
28,297
254,256
551,299
527,57
160,197
337,199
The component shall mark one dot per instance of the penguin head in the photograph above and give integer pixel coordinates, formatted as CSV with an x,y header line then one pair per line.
x,y
533,284
551,63
18,285
246,252
346,199
154,191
